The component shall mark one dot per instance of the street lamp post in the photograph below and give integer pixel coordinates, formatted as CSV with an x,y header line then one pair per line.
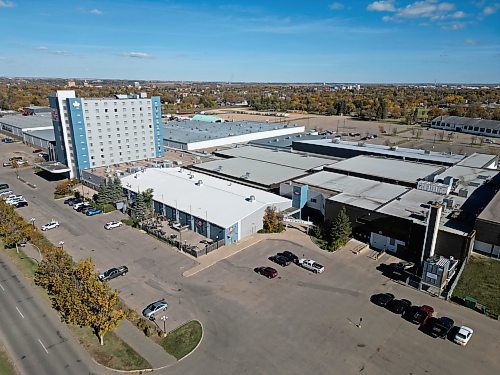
x,y
217,241
32,222
164,318
61,244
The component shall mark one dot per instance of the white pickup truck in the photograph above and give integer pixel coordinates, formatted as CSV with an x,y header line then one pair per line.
x,y
311,265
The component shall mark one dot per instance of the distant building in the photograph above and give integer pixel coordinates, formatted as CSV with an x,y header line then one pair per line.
x,y
93,132
71,84
36,110
488,128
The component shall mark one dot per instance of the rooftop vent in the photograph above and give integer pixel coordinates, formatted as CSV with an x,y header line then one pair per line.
x,y
427,152
251,198
199,183
394,148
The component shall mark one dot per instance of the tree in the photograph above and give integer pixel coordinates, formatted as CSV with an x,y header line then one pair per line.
x,y
104,194
139,209
63,187
117,191
52,269
272,221
341,230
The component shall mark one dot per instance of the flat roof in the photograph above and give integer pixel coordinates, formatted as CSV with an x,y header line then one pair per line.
x,y
285,141
394,169
53,167
259,172
492,211
45,134
414,205
289,159
467,177
221,202
188,131
400,152
354,191
468,121
477,160
27,122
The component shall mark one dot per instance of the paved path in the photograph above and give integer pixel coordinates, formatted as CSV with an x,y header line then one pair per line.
x,y
151,351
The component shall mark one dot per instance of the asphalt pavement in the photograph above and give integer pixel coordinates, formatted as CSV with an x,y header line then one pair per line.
x,y
37,342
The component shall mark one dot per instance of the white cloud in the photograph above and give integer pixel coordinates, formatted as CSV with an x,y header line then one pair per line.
x,y
382,6
6,4
336,6
458,14
492,9
471,42
136,55
49,51
96,12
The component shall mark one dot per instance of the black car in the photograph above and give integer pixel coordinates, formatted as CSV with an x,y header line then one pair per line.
x,y
113,272
398,306
382,299
281,260
21,204
290,256
73,201
70,200
439,327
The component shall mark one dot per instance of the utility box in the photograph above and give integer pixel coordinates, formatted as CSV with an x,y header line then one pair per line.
x,y
435,272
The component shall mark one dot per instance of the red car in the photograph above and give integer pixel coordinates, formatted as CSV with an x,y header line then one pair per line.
x,y
268,272
421,315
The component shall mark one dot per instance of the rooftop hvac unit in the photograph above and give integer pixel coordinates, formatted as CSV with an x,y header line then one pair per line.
x,y
252,198
427,152
463,193
361,144
394,148
199,183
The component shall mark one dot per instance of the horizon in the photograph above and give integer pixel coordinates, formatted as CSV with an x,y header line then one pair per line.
x,y
369,42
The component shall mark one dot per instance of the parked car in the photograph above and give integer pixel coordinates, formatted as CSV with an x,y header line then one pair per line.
x,y
76,201
5,194
70,200
281,260
84,209
399,270
37,150
20,204
112,224
487,140
113,272
80,206
7,140
311,265
268,272
7,164
50,225
421,314
382,299
398,306
93,211
150,311
463,335
290,256
439,327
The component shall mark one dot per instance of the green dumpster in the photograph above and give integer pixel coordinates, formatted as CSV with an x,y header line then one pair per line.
x,y
470,302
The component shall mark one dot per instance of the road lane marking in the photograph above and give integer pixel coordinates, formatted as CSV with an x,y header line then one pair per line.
x,y
1,286
19,311
43,346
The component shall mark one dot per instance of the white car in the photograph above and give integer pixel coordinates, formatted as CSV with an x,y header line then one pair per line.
x,y
311,265
463,335
53,224
4,194
113,224
14,199
152,309
81,204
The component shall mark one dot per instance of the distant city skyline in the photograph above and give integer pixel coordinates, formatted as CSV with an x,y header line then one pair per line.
x,y
392,41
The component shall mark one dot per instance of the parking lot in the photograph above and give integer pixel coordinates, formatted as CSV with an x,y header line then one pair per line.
x,y
296,323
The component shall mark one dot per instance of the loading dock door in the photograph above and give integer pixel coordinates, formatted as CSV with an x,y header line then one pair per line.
x,y
381,242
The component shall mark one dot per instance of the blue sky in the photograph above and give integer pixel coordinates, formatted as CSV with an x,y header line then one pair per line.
x,y
259,41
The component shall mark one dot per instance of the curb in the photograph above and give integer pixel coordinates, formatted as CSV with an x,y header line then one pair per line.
x,y
150,369
197,345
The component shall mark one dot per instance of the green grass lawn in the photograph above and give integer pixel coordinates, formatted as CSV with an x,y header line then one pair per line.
x,y
481,280
182,341
23,263
6,367
115,353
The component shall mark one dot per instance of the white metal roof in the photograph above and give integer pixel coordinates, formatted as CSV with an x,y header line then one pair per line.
x,y
289,159
28,122
477,160
219,201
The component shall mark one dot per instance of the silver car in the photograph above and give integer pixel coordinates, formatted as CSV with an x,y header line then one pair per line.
x,y
150,311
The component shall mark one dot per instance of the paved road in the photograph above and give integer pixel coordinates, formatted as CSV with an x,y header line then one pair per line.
x,y
36,341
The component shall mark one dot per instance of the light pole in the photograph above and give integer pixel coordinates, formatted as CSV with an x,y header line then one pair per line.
x,y
32,222
217,241
164,318
61,244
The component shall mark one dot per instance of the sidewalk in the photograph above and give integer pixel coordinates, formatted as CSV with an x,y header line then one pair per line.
x,y
293,234
151,351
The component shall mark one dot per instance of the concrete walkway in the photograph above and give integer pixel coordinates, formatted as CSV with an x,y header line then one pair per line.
x,y
148,349
293,233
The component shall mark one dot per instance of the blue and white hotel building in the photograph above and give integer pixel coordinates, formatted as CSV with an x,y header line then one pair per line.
x,y
96,132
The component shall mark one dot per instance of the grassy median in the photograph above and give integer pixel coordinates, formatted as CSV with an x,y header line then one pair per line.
x,y
6,366
183,340
481,281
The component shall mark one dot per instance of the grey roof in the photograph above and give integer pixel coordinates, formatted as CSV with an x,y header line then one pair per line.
x,y
399,152
285,141
187,131
492,211
477,160
414,205
289,159
354,191
259,172
467,121
392,169
45,134
467,177
27,122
